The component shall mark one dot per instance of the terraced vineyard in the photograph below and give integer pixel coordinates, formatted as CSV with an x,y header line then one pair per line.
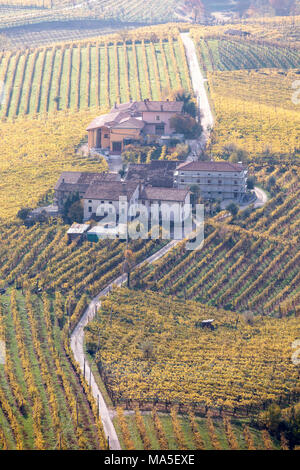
x,y
45,401
249,264
40,258
83,75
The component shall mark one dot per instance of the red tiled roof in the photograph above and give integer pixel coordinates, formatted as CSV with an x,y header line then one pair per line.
x,y
211,166
164,194
128,111
110,191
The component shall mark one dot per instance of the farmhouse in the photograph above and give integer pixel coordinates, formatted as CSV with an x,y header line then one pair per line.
x,y
106,197
75,183
137,121
216,180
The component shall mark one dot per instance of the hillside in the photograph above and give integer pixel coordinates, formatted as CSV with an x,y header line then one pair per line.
x,y
164,340
168,383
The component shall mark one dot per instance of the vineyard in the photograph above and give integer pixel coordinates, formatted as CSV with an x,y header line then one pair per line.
x,y
280,31
46,403
43,404
250,263
90,74
153,430
33,154
131,11
254,110
152,349
224,54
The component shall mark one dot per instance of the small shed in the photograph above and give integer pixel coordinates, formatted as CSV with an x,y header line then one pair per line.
x,y
77,232
208,324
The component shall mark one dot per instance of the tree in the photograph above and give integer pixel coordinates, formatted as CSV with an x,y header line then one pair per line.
x,y
251,182
189,103
195,194
187,126
24,213
233,209
75,212
272,417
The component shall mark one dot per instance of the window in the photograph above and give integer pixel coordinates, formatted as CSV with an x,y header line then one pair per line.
x,y
90,209
198,181
235,182
90,201
106,136
181,181
208,181
157,118
102,202
110,202
220,182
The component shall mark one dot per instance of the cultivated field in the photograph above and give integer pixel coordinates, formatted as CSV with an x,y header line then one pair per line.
x,y
249,263
133,11
152,349
43,404
154,430
225,54
83,75
254,110
33,154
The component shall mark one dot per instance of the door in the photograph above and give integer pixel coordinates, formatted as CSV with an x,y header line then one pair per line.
x,y
117,147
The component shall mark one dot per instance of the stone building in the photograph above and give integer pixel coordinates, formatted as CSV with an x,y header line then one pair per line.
x,y
216,180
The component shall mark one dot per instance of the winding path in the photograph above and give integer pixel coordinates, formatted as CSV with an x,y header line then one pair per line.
x,y
77,346
77,337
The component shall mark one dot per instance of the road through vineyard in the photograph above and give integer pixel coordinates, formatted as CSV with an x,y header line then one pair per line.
x,y
77,338
77,345
198,83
